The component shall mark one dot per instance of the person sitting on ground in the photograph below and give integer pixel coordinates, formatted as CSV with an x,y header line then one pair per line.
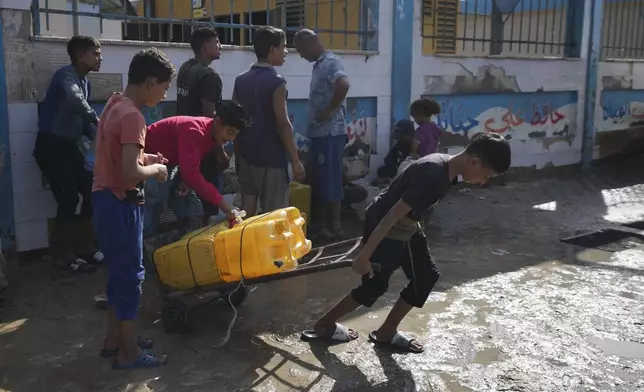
x,y
185,141
393,237
428,134
404,136
65,117
353,193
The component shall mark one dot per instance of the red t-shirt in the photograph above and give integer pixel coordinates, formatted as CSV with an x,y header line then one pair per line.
x,y
185,141
121,123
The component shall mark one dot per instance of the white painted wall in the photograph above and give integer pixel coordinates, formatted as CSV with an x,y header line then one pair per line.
x,y
57,25
33,205
532,74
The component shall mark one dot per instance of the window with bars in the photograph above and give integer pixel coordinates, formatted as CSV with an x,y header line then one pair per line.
x,y
501,27
440,23
341,24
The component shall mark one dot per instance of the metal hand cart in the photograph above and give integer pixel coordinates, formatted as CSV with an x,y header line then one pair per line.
x,y
178,304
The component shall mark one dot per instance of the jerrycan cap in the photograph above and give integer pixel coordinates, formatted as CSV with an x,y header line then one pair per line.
x,y
281,225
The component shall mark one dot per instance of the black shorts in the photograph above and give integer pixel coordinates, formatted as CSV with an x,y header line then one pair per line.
x,y
412,256
63,165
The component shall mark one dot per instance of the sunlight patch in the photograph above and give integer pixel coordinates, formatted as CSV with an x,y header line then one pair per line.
x,y
550,206
11,326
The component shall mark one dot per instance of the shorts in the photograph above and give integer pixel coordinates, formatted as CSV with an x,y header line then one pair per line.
x,y
327,153
269,184
119,227
416,261
159,194
63,165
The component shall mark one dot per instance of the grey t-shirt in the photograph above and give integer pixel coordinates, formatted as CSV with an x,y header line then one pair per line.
x,y
422,185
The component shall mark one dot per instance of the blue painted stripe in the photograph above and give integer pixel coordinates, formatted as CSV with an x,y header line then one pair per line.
x,y
592,69
7,219
484,7
402,59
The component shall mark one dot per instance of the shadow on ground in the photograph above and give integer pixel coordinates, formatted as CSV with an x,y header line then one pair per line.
x,y
50,334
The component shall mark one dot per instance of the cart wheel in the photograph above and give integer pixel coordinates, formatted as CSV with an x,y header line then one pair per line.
x,y
237,297
175,317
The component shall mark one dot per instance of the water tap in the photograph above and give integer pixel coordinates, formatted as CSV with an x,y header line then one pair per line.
x,y
238,215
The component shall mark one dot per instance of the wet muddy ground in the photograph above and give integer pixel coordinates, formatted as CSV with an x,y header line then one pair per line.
x,y
515,310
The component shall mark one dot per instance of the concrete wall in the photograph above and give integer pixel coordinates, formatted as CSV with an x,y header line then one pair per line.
x,y
30,64
619,113
536,103
56,25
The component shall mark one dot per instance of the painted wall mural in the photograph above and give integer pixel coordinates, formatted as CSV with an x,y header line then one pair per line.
x,y
361,133
516,116
361,127
620,109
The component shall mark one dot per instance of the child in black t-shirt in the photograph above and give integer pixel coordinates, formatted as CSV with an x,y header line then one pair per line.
x,y
393,237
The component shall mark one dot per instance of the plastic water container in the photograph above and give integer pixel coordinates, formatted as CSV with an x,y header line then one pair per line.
x,y
259,246
190,262
300,198
262,245
295,219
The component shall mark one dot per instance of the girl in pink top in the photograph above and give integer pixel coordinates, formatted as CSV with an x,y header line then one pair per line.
x,y
427,134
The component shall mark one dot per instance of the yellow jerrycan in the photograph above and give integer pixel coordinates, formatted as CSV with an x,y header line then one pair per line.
x,y
190,262
296,223
262,245
300,198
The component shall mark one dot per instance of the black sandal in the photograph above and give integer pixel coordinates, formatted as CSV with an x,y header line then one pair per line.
x,y
96,257
82,266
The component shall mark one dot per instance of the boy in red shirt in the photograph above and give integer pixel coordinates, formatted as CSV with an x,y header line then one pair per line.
x,y
120,168
185,141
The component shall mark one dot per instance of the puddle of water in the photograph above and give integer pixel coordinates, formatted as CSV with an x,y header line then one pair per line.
x,y
619,348
487,356
632,295
453,384
594,256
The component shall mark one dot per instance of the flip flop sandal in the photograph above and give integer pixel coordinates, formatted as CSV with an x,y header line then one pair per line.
x,y
143,343
80,265
145,360
399,341
100,301
96,257
341,334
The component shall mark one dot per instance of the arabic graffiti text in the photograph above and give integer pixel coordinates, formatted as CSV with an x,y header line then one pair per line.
x,y
505,113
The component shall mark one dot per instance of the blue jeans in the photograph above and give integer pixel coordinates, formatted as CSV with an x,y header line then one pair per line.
x,y
327,153
119,227
159,194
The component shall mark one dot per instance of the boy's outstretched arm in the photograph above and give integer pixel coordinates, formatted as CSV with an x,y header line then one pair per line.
x,y
362,264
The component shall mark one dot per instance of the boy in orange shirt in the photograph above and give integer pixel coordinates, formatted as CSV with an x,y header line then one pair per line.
x,y
120,168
